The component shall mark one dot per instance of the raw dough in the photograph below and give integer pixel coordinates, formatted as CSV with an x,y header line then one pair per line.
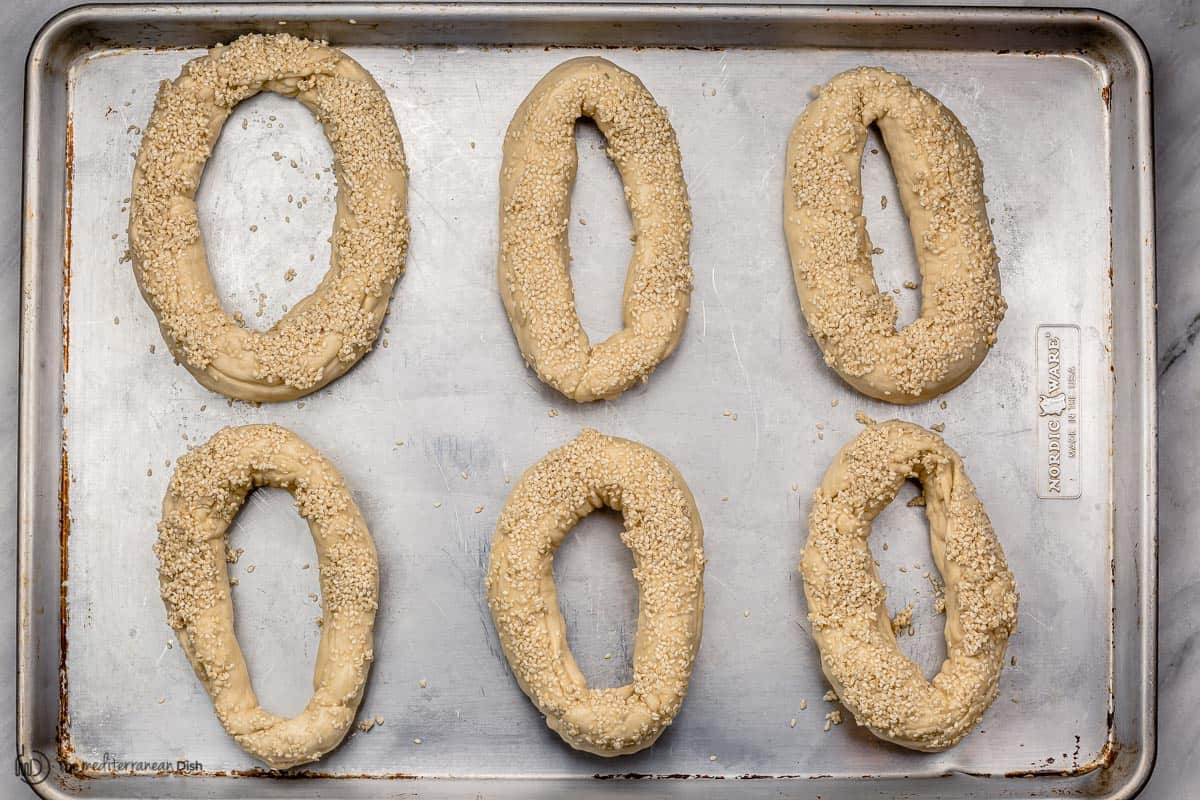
x,y
940,179
324,334
208,488
847,600
535,203
662,528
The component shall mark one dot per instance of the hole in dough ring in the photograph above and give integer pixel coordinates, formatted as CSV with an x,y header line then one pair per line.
x,y
208,488
847,600
535,205
940,179
324,334
662,528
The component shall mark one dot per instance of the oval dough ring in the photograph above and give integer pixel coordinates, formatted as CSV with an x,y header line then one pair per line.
x,y
535,204
324,334
847,600
662,528
940,179
208,488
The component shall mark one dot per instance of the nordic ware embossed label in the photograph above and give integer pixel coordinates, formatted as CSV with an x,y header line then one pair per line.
x,y
1058,412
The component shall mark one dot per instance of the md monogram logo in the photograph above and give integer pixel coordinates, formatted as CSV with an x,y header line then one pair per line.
x,y
32,769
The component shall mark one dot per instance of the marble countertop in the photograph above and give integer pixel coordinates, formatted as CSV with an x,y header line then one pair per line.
x,y
1171,31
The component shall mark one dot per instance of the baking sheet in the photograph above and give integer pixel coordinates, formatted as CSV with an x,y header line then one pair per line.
x,y
430,429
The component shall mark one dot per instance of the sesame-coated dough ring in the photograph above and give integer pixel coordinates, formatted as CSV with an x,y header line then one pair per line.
x,y
847,608
662,528
535,204
324,334
208,488
940,179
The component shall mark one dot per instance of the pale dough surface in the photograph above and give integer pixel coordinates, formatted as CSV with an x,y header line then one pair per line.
x,y
940,180
847,600
208,488
324,334
535,203
662,528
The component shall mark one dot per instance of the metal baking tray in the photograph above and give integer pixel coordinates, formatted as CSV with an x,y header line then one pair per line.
x,y
431,428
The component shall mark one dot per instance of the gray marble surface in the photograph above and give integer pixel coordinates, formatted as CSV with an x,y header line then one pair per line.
x,y
1171,30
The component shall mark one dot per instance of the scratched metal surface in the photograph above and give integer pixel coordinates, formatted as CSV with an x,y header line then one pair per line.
x,y
434,425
